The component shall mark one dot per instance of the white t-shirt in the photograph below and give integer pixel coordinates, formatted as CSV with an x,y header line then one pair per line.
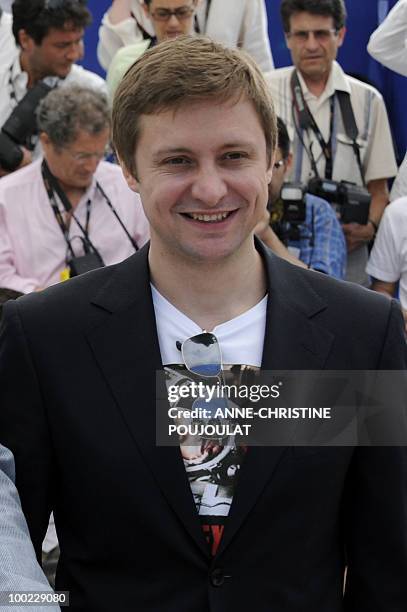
x,y
388,259
212,469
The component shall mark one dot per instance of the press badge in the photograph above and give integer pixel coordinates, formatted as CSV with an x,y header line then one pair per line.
x,y
65,274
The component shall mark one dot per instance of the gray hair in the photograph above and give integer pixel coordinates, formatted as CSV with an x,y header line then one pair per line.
x,y
67,110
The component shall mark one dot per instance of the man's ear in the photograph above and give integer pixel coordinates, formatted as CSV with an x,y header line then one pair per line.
x,y
25,41
45,141
269,172
289,162
341,36
131,180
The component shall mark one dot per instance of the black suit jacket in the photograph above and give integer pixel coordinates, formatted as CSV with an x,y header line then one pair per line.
x,y
77,397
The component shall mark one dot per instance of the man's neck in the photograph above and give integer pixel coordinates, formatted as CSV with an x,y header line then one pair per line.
x,y
316,85
33,75
209,293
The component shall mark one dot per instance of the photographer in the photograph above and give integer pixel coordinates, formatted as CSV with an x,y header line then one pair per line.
x,y
338,125
50,40
71,211
316,238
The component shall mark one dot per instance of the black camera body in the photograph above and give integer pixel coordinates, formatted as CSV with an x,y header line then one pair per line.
x,y
20,127
289,212
84,263
350,201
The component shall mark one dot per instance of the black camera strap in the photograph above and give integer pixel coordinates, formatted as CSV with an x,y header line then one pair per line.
x,y
351,129
307,121
116,214
52,186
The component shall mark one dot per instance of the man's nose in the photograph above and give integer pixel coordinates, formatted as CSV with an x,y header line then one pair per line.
x,y
312,42
209,186
75,52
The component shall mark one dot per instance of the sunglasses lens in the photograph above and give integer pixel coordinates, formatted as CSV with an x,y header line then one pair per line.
x,y
202,355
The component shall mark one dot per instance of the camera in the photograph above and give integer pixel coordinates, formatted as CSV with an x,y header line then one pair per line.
x,y
351,201
20,127
84,263
289,212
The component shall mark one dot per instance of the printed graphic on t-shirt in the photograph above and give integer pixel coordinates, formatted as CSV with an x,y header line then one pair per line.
x,y
212,465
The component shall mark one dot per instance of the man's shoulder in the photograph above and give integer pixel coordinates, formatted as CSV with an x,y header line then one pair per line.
x,y
85,78
279,75
338,298
20,179
81,302
361,87
397,211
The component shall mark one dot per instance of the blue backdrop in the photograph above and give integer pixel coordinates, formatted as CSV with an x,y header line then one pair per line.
x,y
363,18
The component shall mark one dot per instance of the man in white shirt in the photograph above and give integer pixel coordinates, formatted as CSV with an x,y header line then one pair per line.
x,y
50,40
235,23
314,33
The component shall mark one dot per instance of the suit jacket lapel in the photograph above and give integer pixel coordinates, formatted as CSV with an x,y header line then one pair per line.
x,y
126,348
293,341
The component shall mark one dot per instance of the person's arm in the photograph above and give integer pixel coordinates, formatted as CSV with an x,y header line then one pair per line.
x,y
357,234
328,252
27,159
19,569
387,44
399,188
119,28
9,276
255,39
270,239
119,11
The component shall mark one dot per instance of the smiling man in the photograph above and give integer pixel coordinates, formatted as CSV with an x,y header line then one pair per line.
x,y
49,36
311,98
211,527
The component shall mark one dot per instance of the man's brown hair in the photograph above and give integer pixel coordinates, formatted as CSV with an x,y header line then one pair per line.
x,y
183,71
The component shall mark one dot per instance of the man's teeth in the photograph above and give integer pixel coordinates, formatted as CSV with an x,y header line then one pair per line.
x,y
209,218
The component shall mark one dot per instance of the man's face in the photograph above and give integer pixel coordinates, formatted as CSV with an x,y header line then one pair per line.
x,y
280,169
57,52
314,44
75,164
202,174
175,25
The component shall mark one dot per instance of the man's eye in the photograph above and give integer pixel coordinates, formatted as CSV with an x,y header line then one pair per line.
x,y
177,161
235,155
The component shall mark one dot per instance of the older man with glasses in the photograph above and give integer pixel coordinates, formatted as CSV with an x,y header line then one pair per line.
x,y
338,126
70,211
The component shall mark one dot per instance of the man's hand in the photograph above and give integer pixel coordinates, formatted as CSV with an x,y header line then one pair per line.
x,y
27,159
356,235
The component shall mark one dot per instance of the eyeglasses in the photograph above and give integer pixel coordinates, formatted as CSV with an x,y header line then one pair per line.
x,y
181,13
302,36
84,157
202,355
